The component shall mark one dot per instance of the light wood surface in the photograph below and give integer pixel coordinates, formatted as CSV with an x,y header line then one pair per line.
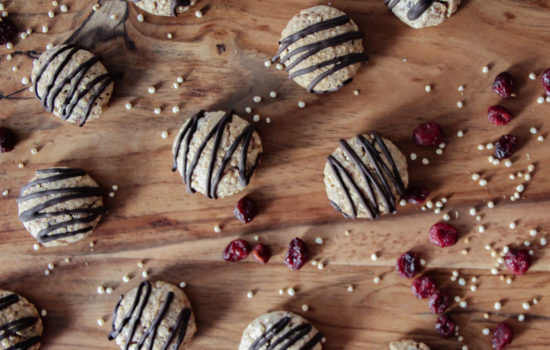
x,y
153,219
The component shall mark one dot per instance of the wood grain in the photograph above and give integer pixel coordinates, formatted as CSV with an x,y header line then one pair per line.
x,y
153,218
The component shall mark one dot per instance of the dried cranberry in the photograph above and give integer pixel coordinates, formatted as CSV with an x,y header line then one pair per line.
x,y
408,265
503,336
443,235
506,146
428,134
546,81
499,115
297,254
7,140
440,301
245,210
7,31
236,250
261,252
417,194
504,85
445,326
423,287
517,261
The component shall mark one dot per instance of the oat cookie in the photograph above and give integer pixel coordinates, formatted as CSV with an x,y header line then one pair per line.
x,y
322,49
423,13
164,7
365,176
216,153
20,323
72,83
281,330
155,316
60,205
407,345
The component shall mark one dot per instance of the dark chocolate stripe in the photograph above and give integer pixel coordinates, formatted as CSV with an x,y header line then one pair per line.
x,y
53,88
139,304
414,12
309,50
14,327
288,338
211,181
376,182
66,194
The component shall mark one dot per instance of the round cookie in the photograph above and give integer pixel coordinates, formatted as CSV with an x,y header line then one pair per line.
x,y
156,315
407,345
365,176
322,49
423,13
164,7
20,323
285,329
60,205
216,153
72,83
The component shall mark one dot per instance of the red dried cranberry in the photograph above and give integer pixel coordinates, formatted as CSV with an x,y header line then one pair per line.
x,y
440,301
236,250
502,337
297,254
445,326
7,31
443,235
7,140
423,287
517,261
408,265
506,146
546,81
499,115
245,210
417,194
428,134
504,85
262,253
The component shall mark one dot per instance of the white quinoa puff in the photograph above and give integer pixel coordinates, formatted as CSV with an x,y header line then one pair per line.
x,y
423,13
72,83
322,49
154,315
164,7
365,176
20,323
216,153
281,329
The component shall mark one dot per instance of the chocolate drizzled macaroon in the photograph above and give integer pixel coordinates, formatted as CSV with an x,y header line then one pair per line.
x,y
72,83
60,205
20,323
164,7
322,49
216,153
365,176
281,330
423,13
154,316
407,345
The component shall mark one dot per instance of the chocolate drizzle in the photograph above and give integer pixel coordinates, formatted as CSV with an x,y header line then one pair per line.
x,y
52,90
309,50
415,11
15,327
139,303
39,211
212,180
287,339
376,182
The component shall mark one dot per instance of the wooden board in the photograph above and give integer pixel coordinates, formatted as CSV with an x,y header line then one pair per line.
x,y
154,219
